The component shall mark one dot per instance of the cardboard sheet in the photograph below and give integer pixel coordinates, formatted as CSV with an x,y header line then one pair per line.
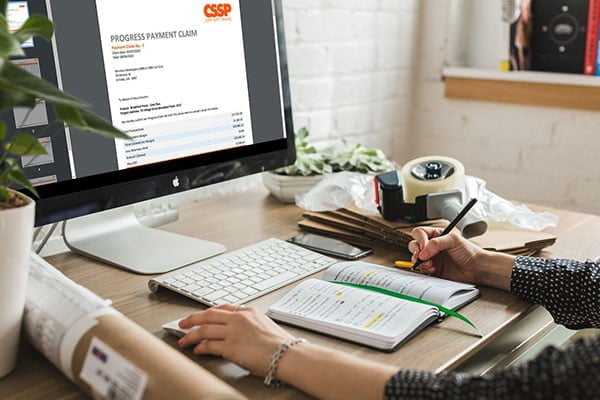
x,y
353,226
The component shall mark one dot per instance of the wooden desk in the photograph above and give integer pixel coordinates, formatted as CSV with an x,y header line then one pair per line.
x,y
252,216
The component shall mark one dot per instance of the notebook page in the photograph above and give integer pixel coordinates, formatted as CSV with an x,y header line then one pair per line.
x,y
421,286
354,309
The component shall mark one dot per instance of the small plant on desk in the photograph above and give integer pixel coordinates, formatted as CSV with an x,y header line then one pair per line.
x,y
26,92
313,165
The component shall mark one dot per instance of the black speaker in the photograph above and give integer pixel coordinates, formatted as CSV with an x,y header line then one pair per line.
x,y
559,35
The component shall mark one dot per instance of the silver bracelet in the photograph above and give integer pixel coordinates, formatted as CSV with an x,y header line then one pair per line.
x,y
270,380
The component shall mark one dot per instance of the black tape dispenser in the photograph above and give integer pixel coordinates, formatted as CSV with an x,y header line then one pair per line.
x,y
426,189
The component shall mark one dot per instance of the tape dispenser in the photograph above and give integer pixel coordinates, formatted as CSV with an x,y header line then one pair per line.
x,y
427,188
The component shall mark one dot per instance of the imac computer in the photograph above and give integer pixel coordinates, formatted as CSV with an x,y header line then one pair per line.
x,y
200,86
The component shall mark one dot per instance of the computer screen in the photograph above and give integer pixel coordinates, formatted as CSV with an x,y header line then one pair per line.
x,y
201,88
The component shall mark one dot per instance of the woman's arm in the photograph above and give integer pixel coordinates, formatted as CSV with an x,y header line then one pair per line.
x,y
329,374
568,289
247,337
554,374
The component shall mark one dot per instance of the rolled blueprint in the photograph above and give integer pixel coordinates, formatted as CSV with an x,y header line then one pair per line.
x,y
107,355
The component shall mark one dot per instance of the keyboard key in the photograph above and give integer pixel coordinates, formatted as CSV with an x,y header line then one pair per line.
x,y
202,292
212,297
269,283
191,288
240,286
299,271
250,291
231,299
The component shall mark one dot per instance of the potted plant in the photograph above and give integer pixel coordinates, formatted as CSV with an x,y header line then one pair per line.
x,y
18,88
312,166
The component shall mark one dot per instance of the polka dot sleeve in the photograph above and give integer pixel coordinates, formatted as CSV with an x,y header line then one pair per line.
x,y
569,291
554,374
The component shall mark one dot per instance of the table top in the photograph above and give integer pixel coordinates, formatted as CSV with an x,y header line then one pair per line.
x,y
243,219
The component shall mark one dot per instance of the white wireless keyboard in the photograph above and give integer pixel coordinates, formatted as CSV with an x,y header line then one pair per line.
x,y
244,274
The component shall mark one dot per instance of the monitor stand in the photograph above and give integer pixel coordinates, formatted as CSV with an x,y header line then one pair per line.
x,y
118,238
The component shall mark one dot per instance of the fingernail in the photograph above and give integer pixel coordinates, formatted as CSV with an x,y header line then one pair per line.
x,y
424,255
181,342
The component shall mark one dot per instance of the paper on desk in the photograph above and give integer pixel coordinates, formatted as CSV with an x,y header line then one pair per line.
x,y
360,311
420,286
59,312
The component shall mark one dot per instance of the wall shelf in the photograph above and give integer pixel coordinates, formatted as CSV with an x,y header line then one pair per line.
x,y
523,87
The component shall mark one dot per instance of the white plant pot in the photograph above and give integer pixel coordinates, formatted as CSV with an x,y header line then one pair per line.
x,y
16,232
286,188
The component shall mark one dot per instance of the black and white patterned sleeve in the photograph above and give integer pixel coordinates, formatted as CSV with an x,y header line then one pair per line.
x,y
568,289
554,374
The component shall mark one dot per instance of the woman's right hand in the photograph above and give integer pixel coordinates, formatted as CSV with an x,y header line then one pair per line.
x,y
449,257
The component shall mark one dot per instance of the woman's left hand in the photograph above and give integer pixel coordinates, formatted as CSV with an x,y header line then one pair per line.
x,y
243,335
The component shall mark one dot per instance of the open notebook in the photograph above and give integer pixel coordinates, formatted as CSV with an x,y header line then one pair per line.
x,y
364,316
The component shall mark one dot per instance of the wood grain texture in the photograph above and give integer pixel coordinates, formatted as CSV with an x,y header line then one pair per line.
x,y
252,216
525,93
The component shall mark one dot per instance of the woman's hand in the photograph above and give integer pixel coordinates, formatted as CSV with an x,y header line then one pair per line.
x,y
455,258
243,335
450,257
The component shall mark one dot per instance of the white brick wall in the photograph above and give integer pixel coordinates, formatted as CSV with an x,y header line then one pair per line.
x,y
542,155
351,67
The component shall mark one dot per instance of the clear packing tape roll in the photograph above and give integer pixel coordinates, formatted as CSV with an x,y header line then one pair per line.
x,y
415,187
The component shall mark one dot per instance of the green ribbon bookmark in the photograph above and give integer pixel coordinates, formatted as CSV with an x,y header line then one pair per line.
x,y
445,310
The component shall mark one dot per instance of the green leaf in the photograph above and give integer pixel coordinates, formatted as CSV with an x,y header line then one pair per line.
x,y
36,25
15,78
2,130
17,176
24,144
88,122
3,194
10,99
3,6
9,45
302,134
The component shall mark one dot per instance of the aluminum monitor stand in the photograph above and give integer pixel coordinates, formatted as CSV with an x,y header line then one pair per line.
x,y
118,238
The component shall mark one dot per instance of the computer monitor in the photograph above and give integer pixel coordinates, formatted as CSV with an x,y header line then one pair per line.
x,y
201,87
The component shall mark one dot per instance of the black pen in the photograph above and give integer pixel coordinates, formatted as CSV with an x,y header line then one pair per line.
x,y
450,227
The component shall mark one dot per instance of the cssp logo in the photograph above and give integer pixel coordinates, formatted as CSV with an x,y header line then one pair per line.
x,y
217,10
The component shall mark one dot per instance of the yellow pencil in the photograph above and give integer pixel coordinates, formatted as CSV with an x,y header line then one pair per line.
x,y
403,264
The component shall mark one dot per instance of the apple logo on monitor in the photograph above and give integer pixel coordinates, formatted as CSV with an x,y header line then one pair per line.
x,y
176,182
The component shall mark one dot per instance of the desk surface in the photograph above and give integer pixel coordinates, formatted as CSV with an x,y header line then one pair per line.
x,y
246,218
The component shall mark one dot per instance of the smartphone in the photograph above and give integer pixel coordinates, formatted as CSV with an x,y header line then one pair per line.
x,y
330,247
